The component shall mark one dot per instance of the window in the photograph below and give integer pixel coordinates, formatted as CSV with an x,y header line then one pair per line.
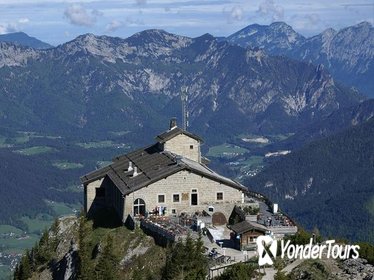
x,y
139,207
176,197
211,209
173,211
100,192
194,190
220,196
161,198
191,147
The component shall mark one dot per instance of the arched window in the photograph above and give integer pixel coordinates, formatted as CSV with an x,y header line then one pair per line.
x,y
139,207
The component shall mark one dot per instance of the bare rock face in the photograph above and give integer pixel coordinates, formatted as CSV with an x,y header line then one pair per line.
x,y
357,269
64,267
349,269
16,55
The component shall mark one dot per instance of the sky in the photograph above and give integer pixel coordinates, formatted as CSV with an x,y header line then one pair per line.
x,y
59,21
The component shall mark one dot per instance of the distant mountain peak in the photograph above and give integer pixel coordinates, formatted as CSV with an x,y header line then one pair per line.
x,y
267,36
207,35
108,48
280,24
329,32
89,39
152,31
364,24
23,39
157,38
155,34
87,35
347,53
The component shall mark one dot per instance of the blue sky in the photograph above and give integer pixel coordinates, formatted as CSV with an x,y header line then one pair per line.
x,y
58,21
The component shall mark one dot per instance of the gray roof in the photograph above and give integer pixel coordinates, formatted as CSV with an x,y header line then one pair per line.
x,y
169,134
245,226
153,164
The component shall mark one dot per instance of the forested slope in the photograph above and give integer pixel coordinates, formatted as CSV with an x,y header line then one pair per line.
x,y
328,184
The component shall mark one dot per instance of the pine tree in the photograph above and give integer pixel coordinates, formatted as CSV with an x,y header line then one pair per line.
x,y
239,271
185,260
44,252
200,262
106,266
24,268
84,271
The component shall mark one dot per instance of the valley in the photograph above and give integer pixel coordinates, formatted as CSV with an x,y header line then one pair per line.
x,y
21,231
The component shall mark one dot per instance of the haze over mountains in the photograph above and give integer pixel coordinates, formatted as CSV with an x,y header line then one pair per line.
x,y
96,86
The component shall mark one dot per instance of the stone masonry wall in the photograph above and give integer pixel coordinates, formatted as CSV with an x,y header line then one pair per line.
x,y
183,183
90,193
181,145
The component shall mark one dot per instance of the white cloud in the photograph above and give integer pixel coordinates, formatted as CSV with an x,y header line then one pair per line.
x,y
3,29
313,18
78,15
23,20
134,22
8,28
13,26
268,8
236,13
114,25
97,13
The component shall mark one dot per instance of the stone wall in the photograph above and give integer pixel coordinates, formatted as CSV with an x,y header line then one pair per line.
x,y
90,193
183,184
185,146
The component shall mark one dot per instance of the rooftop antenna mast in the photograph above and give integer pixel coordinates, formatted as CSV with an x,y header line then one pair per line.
x,y
184,98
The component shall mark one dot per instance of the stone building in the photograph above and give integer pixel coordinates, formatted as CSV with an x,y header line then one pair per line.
x,y
169,177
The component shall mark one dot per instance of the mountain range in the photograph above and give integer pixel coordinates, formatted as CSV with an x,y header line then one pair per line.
x,y
99,83
348,54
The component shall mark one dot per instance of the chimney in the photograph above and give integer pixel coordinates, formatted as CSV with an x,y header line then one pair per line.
x,y
130,168
178,159
135,172
173,123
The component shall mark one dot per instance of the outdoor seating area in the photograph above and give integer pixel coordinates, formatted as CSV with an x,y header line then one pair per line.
x,y
168,227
